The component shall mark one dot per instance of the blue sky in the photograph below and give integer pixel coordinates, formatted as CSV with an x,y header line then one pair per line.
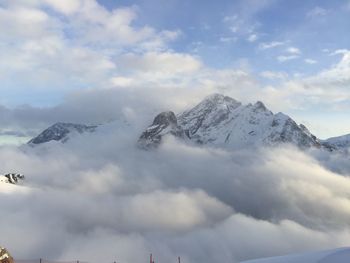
x,y
293,55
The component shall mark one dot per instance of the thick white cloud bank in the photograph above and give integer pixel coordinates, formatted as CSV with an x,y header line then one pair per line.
x,y
100,198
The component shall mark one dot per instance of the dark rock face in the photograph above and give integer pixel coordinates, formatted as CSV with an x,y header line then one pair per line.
x,y
259,106
163,124
14,178
288,131
60,132
165,118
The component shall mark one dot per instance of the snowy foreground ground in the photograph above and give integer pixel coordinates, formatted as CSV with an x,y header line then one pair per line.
x,y
340,255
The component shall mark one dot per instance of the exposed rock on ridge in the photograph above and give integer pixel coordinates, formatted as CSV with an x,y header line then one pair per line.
x,y
163,124
60,132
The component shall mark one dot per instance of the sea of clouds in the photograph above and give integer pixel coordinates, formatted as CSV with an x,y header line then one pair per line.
x,y
99,198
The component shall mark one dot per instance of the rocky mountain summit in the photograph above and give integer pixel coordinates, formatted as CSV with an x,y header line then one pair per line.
x,y
222,121
163,124
61,132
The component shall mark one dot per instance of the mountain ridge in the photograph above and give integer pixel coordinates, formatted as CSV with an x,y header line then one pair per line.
x,y
60,131
218,121
222,121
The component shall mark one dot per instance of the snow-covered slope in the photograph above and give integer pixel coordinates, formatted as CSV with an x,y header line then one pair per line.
x,y
222,121
340,255
338,143
12,182
61,132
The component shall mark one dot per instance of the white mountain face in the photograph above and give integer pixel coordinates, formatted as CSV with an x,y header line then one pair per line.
x,y
61,132
340,143
224,122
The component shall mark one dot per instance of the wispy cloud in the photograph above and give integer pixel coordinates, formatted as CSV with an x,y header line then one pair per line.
x,y
230,18
293,50
339,52
252,38
228,39
317,12
284,58
274,75
242,26
270,45
310,61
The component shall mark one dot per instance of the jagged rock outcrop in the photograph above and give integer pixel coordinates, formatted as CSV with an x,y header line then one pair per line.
x,y
163,124
11,178
61,132
5,256
288,131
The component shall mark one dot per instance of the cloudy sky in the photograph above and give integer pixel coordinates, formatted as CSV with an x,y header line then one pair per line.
x,y
293,56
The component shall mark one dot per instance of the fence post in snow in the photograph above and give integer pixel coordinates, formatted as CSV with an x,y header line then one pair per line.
x,y
179,259
40,260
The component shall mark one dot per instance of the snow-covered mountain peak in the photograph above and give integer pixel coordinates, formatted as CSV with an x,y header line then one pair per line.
x,y
60,131
224,122
217,98
217,101
214,110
